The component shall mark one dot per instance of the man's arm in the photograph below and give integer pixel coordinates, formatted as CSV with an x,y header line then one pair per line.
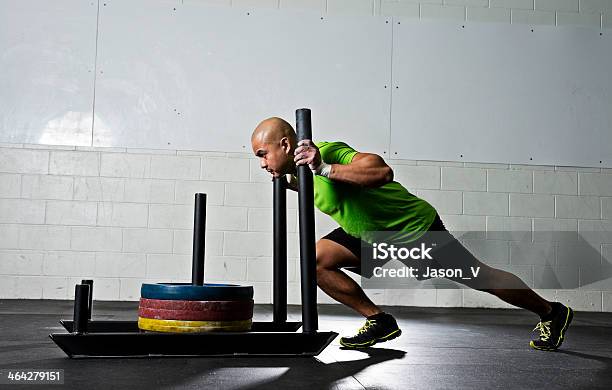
x,y
366,170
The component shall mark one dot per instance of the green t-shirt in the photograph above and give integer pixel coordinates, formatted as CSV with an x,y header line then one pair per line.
x,y
359,210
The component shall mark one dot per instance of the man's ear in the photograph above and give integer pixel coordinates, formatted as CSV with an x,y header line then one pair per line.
x,y
285,145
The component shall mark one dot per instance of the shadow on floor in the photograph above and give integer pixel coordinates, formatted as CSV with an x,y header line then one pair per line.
x,y
603,373
325,375
235,373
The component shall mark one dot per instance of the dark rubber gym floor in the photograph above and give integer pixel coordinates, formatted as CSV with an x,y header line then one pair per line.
x,y
439,349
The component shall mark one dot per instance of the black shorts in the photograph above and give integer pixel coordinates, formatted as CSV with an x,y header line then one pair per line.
x,y
451,254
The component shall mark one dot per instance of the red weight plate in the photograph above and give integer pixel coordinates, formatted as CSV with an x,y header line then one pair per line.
x,y
194,315
213,306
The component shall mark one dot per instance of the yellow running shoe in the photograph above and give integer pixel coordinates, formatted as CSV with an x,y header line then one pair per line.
x,y
377,329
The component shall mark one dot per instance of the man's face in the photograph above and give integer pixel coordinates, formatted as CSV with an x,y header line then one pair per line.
x,y
274,157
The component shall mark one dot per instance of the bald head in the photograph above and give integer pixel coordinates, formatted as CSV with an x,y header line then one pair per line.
x,y
274,142
272,130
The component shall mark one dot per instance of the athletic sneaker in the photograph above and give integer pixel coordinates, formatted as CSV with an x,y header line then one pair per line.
x,y
553,327
377,329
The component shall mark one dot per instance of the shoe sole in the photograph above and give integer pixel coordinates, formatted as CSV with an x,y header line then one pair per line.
x,y
395,334
568,319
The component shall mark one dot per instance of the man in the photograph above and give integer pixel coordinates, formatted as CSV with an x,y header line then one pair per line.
x,y
357,190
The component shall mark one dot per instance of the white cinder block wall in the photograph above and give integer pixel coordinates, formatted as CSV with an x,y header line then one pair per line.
x,y
124,216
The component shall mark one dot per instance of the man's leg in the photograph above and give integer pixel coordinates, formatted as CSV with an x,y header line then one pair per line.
x,y
554,316
379,326
332,256
511,289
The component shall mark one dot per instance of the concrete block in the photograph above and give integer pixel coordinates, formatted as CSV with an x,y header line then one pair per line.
x,y
580,300
47,187
488,251
595,232
122,214
485,203
226,218
248,194
10,185
607,301
74,163
100,239
54,288
579,254
105,289
129,289
21,262
468,179
535,253
411,297
509,228
149,191
27,287
24,161
69,263
9,236
499,180
582,19
44,237
528,205
127,265
147,240
64,212
549,229
99,189
171,216
125,165
597,184
247,244
449,298
225,169
587,207
169,266
475,298
175,167
417,177
227,268
596,278
564,183
595,6
606,208
555,277
22,211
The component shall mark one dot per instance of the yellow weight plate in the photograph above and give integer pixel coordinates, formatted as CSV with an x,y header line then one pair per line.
x,y
175,326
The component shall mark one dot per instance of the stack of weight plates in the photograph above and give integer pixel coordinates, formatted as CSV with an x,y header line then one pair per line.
x,y
183,308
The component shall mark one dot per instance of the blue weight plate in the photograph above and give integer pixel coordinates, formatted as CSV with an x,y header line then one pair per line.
x,y
188,292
